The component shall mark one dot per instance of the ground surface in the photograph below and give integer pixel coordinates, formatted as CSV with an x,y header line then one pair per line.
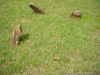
x,y
74,42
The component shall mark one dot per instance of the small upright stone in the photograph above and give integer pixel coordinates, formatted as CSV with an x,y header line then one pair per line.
x,y
76,13
16,35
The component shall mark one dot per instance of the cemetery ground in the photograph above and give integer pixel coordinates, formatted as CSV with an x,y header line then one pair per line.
x,y
53,43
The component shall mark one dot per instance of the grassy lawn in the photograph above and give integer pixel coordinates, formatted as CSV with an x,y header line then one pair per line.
x,y
75,41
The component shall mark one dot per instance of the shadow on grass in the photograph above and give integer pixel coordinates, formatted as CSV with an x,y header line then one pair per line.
x,y
24,37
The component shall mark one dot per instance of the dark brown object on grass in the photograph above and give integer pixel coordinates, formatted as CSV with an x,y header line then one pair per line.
x,y
16,36
36,9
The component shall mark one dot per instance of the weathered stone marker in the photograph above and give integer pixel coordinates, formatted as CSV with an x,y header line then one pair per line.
x,y
76,13
16,35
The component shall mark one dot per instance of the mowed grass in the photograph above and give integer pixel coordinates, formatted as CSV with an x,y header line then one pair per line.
x,y
75,41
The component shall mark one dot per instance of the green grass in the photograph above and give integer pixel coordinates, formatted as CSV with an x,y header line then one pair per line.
x,y
75,41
